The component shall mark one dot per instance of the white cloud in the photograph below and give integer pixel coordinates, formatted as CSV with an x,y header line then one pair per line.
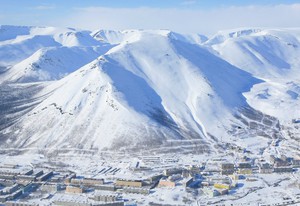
x,y
184,20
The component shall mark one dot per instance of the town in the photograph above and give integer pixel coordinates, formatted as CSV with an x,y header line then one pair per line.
x,y
151,180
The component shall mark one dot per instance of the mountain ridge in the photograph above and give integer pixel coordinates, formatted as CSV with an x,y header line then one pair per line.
x,y
143,90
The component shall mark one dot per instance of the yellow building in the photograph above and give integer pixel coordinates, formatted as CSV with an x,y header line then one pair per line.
x,y
71,189
222,186
166,183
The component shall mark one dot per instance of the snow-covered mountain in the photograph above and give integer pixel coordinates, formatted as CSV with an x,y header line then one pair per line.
x,y
271,55
144,88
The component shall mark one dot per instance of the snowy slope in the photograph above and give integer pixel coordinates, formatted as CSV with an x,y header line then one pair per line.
x,y
32,54
139,93
264,53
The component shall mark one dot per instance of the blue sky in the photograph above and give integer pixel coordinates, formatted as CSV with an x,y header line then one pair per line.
x,y
202,16
65,4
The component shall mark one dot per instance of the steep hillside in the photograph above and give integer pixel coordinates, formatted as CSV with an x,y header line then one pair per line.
x,y
145,89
